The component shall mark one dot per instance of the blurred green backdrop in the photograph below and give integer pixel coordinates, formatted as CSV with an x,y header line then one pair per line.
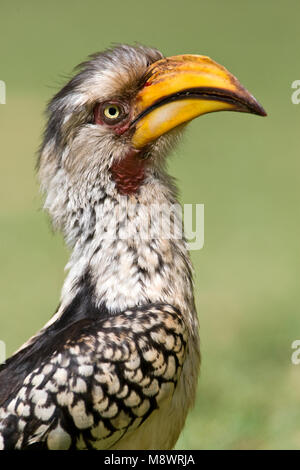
x,y
243,168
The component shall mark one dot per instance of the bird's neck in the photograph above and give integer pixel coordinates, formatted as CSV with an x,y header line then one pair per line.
x,y
130,249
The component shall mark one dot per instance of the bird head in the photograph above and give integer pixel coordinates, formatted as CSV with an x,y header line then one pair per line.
x,y
111,125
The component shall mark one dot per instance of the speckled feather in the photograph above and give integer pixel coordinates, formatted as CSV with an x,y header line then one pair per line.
x,y
101,385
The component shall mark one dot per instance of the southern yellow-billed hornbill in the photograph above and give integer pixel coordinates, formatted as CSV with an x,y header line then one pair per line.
x,y
116,366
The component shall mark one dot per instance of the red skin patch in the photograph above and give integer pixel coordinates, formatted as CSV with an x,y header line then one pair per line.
x,y
129,173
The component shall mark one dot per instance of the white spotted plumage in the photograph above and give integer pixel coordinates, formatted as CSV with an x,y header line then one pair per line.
x,y
111,398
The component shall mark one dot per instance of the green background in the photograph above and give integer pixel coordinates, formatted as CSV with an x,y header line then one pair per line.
x,y
243,168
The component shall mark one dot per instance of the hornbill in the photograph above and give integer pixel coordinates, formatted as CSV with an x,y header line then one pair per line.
x,y
116,366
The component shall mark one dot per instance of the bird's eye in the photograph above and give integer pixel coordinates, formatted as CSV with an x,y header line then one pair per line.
x,y
112,111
